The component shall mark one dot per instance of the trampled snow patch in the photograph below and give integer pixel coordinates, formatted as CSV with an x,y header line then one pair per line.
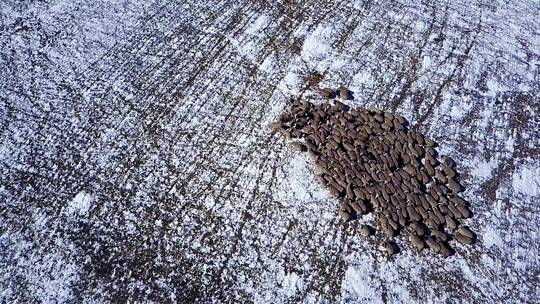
x,y
483,168
300,186
259,25
527,181
298,182
317,45
492,238
80,204
494,87
292,284
267,65
363,78
290,84
358,285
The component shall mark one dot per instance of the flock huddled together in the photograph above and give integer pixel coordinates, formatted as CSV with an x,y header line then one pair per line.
x,y
373,163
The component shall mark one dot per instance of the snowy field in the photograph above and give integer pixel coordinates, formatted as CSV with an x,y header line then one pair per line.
x,y
136,161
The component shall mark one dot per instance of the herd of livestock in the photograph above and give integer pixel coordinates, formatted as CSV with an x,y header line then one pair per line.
x,y
373,163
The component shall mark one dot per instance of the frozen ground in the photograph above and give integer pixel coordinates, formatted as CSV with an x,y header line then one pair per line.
x,y
136,162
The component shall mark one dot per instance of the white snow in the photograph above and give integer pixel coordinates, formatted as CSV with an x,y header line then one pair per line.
x,y
267,65
483,168
80,204
292,283
491,237
527,181
495,87
358,285
104,51
317,46
291,83
259,25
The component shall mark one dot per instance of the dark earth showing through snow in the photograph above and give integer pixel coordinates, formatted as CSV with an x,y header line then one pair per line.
x,y
136,162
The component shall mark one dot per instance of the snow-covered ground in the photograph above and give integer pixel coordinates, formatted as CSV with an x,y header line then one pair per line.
x,y
136,162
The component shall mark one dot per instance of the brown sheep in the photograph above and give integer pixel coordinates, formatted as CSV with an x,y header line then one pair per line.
x,y
450,222
465,213
444,250
430,143
418,228
454,186
448,171
366,230
345,213
432,243
298,146
448,161
440,176
326,93
372,162
417,242
463,238
458,201
439,235
390,248
344,93
463,230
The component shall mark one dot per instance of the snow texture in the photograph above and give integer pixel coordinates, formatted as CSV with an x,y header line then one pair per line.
x,y
136,162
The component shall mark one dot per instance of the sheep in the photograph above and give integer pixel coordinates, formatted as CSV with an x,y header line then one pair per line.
x,y
371,162
417,242
463,238
366,230
432,243
357,208
326,93
344,93
463,230
390,248
429,169
429,142
458,201
298,147
440,176
448,161
455,212
276,126
413,214
344,213
444,250
454,186
418,228
448,171
465,213
439,235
